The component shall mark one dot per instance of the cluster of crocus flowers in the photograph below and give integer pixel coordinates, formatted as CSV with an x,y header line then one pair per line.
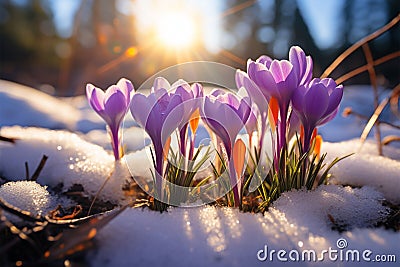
x,y
166,109
292,95
280,94
112,106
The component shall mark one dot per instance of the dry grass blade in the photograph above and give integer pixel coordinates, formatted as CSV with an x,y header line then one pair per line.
x,y
394,101
372,77
390,138
361,69
238,8
39,169
358,44
377,112
7,139
27,171
373,119
99,191
25,215
348,111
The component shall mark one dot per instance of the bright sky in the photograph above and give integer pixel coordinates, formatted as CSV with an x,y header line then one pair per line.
x,y
322,17
64,12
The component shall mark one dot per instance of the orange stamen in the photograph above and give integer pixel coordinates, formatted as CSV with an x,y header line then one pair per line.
x,y
166,148
314,134
274,106
239,152
318,144
302,134
194,121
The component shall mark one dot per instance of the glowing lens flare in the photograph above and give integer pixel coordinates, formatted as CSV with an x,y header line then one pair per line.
x,y
176,30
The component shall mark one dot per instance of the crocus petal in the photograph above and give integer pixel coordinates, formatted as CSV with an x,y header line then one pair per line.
x,y
239,78
265,60
249,61
181,86
160,83
173,116
126,88
216,92
197,90
251,124
280,70
140,108
184,90
89,89
96,98
244,109
285,78
328,82
298,99
309,71
115,108
334,99
302,65
298,59
315,102
162,98
328,118
213,113
229,99
113,89
263,79
243,80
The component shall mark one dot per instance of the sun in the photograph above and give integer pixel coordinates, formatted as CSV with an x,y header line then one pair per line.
x,y
176,30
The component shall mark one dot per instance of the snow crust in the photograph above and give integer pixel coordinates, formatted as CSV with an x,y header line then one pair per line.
x,y
212,236
71,161
366,167
29,196
25,106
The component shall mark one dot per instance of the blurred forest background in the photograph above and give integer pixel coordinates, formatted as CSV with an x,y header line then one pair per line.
x,y
58,46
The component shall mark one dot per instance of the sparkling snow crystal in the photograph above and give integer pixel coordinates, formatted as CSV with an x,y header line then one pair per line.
x,y
28,196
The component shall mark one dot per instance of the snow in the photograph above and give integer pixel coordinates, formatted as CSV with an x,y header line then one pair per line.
x,y
212,236
366,167
355,207
29,196
27,107
202,236
71,161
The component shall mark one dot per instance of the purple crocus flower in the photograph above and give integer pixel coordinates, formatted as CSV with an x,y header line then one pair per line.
x,y
159,113
226,115
191,99
276,78
112,106
280,79
315,104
